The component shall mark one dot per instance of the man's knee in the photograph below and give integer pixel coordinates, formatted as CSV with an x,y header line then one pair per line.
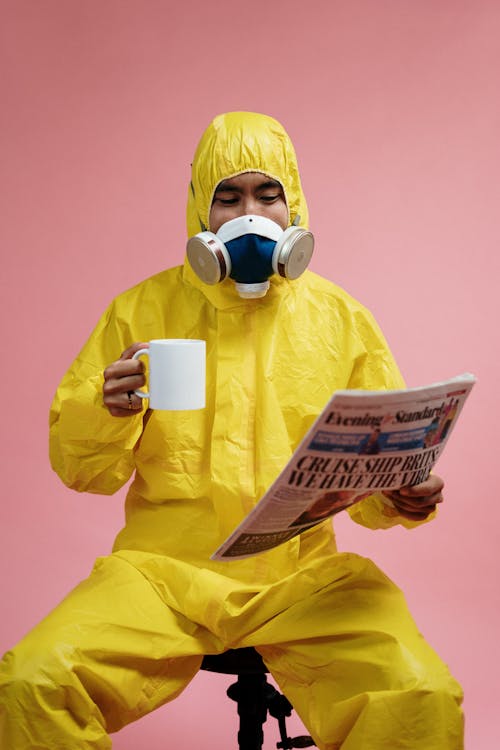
x,y
39,684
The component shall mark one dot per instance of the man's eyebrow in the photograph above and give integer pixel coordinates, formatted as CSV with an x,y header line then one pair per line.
x,y
270,184
226,187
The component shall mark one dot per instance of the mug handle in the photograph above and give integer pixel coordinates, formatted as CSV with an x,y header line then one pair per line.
x,y
141,394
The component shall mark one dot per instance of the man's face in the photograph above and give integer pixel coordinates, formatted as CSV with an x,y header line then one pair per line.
x,y
248,193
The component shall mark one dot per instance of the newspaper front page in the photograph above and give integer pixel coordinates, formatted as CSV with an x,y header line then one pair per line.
x,y
363,442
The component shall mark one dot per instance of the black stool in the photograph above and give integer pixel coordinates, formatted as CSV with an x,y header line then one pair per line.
x,y
254,697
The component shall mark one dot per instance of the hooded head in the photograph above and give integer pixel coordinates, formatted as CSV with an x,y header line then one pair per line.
x,y
239,142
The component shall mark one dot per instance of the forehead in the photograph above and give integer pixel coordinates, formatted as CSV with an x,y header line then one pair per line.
x,y
247,181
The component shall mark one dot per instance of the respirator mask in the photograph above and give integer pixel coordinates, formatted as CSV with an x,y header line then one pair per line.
x,y
249,250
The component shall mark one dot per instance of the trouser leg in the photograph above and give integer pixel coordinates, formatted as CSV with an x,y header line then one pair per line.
x,y
108,654
353,664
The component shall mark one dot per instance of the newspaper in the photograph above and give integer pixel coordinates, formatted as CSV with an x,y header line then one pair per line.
x,y
363,442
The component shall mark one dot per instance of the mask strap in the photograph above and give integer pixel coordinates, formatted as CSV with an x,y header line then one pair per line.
x,y
202,225
296,221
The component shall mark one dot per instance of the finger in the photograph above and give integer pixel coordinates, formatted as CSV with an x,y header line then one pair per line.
x,y
415,503
124,404
128,353
123,384
123,368
117,412
417,512
414,515
133,401
432,484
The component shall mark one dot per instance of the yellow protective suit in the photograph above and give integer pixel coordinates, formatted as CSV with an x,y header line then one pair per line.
x,y
334,631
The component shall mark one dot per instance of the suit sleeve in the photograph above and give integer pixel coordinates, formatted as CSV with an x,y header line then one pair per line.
x,y
89,449
375,369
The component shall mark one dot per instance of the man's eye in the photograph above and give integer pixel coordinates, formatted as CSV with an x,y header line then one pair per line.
x,y
227,201
269,198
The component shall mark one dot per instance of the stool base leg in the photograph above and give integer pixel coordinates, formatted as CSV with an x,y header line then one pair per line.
x,y
249,694
254,697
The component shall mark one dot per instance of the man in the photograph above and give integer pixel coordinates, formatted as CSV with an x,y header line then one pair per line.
x,y
333,630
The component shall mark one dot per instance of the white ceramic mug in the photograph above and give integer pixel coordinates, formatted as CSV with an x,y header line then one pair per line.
x,y
176,374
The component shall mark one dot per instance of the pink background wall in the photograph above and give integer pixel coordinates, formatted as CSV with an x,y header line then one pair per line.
x,y
394,109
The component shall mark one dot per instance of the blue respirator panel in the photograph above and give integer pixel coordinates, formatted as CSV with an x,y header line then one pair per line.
x,y
251,258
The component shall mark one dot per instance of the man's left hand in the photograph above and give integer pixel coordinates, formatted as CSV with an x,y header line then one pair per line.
x,y
418,501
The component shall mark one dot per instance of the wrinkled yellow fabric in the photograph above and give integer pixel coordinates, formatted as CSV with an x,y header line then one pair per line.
x,y
333,629
199,473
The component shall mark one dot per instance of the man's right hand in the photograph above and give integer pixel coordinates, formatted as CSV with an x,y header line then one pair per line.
x,y
121,379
